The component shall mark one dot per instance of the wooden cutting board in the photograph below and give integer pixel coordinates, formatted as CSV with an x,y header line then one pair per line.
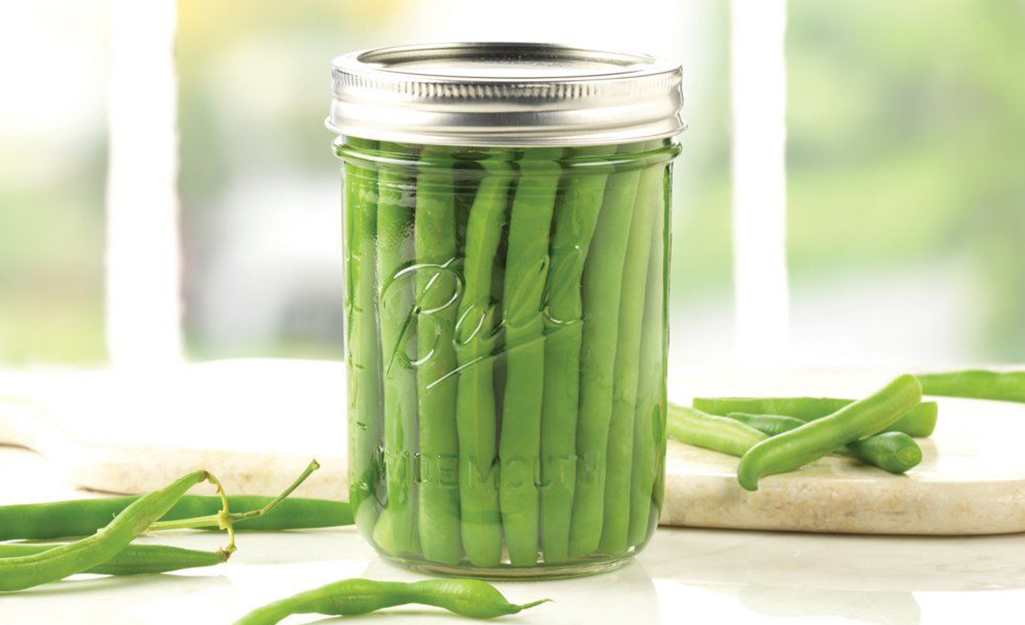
x,y
256,423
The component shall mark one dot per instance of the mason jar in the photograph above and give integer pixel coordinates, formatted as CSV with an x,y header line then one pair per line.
x,y
506,234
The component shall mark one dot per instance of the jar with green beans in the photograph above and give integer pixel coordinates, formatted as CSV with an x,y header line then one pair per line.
x,y
506,233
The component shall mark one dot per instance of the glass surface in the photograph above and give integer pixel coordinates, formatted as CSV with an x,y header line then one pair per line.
x,y
506,341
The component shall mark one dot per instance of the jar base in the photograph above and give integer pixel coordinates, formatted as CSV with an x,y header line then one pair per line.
x,y
578,568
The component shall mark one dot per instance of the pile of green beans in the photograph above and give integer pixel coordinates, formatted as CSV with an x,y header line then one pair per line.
x,y
351,597
770,443
506,346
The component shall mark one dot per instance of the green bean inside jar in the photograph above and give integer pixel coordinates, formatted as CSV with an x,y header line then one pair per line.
x,y
506,234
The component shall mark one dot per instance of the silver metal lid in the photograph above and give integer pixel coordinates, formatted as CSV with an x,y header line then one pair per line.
x,y
504,94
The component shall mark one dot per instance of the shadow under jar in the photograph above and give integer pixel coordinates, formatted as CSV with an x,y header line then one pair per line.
x,y
506,234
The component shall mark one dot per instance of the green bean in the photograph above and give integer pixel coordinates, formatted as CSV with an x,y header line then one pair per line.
x,y
395,193
437,293
796,448
20,572
920,422
649,429
466,597
81,517
619,460
133,559
722,434
895,452
976,384
575,219
530,222
475,412
364,355
602,287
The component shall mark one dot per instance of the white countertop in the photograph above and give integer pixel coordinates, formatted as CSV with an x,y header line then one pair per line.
x,y
685,575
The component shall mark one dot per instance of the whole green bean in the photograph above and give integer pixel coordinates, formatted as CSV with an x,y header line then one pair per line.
x,y
575,219
475,410
20,572
396,190
519,446
81,517
651,401
364,355
976,384
466,597
920,422
796,448
895,452
722,434
437,294
133,559
602,287
619,455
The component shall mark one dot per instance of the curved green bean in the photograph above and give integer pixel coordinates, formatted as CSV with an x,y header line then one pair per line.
x,y
519,446
722,434
466,597
920,422
619,452
437,293
133,559
602,288
575,219
20,572
364,355
396,190
976,384
475,410
895,452
81,517
796,448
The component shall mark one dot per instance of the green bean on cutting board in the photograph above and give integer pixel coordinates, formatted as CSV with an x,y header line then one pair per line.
x,y
364,364
396,189
475,410
133,559
81,517
526,267
619,460
722,434
466,597
895,452
575,219
20,572
863,418
436,249
976,384
920,422
602,287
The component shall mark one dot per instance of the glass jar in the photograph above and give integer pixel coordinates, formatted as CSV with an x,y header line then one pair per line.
x,y
506,216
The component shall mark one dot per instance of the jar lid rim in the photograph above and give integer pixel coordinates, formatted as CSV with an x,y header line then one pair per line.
x,y
504,94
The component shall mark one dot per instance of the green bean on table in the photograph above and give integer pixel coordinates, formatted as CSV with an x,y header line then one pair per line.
x,y
466,597
395,192
895,452
920,422
602,287
475,412
575,219
133,559
619,454
976,384
526,267
20,572
364,356
81,517
863,418
437,290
